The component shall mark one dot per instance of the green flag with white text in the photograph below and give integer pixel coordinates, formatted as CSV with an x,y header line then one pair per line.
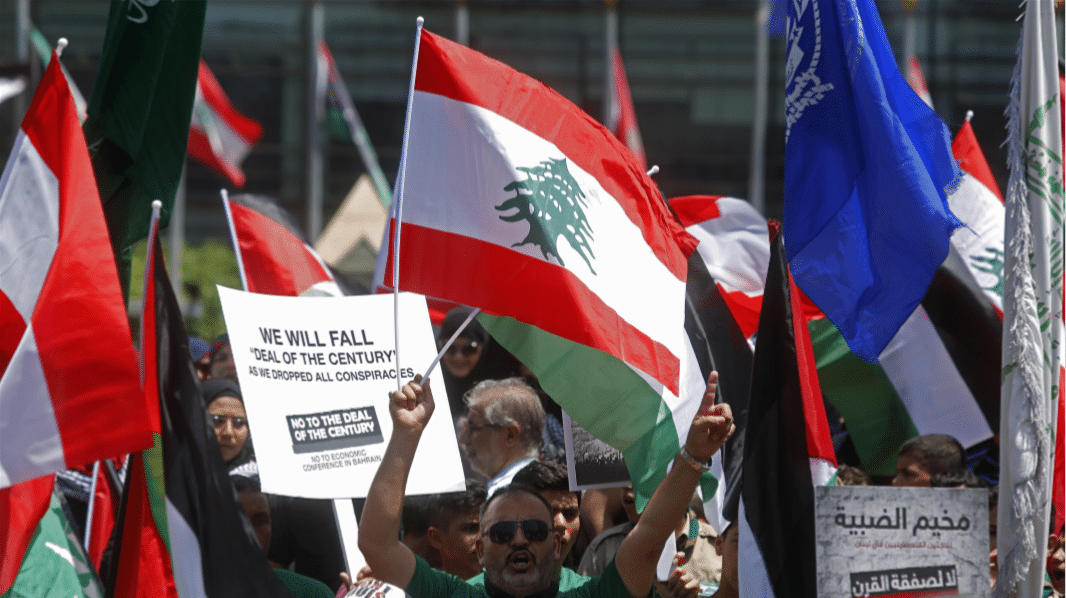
x,y
138,124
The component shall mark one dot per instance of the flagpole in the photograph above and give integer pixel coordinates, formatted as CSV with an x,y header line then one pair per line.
x,y
451,340
610,43
315,25
758,124
399,202
462,23
89,509
233,236
177,232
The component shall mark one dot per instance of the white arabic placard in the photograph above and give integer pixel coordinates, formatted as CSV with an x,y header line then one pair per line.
x,y
316,373
884,541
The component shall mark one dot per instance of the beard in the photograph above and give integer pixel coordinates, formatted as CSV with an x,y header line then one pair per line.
x,y
536,577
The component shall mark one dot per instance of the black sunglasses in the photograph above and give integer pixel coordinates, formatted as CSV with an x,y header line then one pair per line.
x,y
464,350
534,530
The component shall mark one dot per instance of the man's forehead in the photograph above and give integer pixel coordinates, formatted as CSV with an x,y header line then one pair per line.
x,y
515,506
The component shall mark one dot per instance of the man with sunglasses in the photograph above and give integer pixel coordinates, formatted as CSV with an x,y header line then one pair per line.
x,y
518,549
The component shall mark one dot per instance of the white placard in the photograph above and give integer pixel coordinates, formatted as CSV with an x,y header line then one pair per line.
x,y
882,541
316,373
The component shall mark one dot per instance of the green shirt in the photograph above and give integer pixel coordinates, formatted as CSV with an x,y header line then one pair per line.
x,y
304,586
428,582
568,580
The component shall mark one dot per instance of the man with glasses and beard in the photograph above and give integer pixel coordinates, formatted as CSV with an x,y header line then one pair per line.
x,y
518,548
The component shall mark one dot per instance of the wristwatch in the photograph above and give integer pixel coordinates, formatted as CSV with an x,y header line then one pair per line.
x,y
695,463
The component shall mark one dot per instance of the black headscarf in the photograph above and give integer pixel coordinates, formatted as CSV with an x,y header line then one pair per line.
x,y
495,363
214,389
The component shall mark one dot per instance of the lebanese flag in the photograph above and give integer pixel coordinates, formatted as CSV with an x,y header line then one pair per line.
x,y
916,80
623,117
524,206
69,387
787,447
273,255
734,246
219,136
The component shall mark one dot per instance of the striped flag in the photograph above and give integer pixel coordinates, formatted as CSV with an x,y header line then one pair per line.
x,y
971,159
787,448
735,247
557,225
219,136
44,50
181,527
39,553
622,119
916,80
272,254
69,388
1033,339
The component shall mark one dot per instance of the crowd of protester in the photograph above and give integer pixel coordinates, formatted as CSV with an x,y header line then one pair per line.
x,y
510,434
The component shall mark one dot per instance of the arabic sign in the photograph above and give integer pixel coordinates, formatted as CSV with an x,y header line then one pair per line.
x,y
883,541
316,373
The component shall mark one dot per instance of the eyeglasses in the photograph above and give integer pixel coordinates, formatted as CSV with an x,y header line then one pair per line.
x,y
534,530
464,350
469,426
220,420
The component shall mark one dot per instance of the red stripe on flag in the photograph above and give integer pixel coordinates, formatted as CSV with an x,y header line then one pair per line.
x,y
510,283
201,151
819,440
12,327
21,508
694,209
79,314
249,129
745,309
968,152
454,71
144,567
276,262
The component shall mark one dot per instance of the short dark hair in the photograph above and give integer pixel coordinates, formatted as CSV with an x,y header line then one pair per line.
x,y
416,514
938,453
446,507
956,478
849,475
542,475
512,489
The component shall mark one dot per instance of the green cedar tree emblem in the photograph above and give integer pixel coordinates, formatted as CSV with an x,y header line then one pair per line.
x,y
992,264
551,201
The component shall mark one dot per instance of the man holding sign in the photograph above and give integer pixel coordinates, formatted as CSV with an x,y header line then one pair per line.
x,y
518,549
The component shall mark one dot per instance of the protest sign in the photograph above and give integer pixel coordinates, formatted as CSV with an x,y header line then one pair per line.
x,y
879,541
316,373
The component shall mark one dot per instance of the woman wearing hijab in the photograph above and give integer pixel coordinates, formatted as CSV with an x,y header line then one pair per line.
x,y
473,357
225,407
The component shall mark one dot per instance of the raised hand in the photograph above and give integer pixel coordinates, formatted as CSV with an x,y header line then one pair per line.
x,y
411,406
712,426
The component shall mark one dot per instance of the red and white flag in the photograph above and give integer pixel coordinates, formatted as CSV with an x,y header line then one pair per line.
x,y
70,391
273,256
735,245
517,202
622,119
219,136
916,80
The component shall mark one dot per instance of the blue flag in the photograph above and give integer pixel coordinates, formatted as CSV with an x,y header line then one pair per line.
x,y
868,166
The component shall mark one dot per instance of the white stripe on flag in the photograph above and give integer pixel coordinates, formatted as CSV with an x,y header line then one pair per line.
x,y
484,150
30,445
29,230
929,385
185,555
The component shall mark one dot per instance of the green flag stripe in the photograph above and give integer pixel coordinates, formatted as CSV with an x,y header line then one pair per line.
x,y
155,482
876,417
603,395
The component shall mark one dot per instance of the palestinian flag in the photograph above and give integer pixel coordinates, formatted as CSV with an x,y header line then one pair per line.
x,y
622,119
565,245
273,256
69,388
182,530
103,506
39,552
787,448
220,136
139,113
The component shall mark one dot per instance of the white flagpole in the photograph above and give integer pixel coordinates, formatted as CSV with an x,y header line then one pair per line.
x,y
233,235
758,124
451,340
610,42
92,504
315,25
399,202
462,23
